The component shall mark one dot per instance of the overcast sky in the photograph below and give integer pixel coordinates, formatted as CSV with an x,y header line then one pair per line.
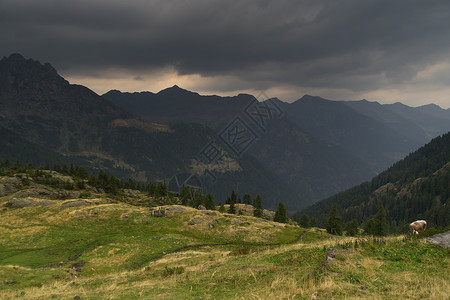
x,y
384,51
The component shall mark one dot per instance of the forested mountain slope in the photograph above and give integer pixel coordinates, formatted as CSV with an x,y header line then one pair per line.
x,y
417,187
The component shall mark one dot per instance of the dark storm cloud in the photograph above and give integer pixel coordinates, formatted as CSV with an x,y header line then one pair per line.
x,y
355,45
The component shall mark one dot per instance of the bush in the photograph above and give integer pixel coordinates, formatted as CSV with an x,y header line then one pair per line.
x,y
25,181
172,271
240,251
85,195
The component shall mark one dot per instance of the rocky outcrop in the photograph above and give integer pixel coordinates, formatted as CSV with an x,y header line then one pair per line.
x,y
75,203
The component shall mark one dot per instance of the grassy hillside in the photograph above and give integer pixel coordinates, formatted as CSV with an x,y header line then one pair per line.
x,y
59,244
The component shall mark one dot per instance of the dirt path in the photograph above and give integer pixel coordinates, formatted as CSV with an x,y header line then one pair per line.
x,y
301,236
442,239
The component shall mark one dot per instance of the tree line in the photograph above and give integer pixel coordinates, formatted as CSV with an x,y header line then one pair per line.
x,y
188,196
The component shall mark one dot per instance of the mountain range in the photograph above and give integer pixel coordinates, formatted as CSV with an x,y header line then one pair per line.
x,y
40,107
297,153
318,146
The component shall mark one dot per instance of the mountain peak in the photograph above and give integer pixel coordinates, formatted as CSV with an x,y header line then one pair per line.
x,y
431,106
15,57
311,98
17,72
275,100
176,91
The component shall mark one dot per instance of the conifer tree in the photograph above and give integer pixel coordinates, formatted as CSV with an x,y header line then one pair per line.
x,y
257,207
162,190
209,202
304,221
198,199
380,222
232,208
234,197
185,195
151,189
334,223
369,227
130,184
280,214
351,228
247,199
113,185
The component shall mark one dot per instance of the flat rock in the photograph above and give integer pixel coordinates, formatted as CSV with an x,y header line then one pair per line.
x,y
21,202
441,239
34,192
240,229
195,221
75,203
26,202
239,223
175,209
209,213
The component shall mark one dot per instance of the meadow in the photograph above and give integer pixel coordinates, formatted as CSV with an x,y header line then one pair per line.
x,y
104,250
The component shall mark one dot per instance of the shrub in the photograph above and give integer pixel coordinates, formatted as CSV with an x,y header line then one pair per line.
x,y
172,271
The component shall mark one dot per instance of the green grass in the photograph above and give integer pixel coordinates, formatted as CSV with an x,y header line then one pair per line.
x,y
118,251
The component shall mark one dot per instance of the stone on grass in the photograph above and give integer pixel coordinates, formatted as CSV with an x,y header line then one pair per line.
x,y
75,203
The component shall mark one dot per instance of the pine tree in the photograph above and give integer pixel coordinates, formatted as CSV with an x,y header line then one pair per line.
x,y
280,214
304,221
247,199
130,184
369,227
257,207
151,189
162,190
232,208
113,185
234,197
351,228
334,223
380,222
198,199
185,195
221,208
209,202
82,173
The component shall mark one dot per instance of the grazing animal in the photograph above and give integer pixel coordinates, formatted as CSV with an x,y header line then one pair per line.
x,y
417,226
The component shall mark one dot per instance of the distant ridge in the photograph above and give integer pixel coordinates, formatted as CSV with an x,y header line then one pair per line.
x,y
359,138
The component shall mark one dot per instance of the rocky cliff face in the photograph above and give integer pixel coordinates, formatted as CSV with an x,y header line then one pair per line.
x,y
42,106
